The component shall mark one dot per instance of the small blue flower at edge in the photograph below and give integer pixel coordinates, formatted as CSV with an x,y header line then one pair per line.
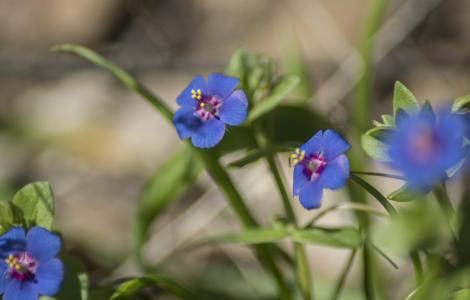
x,y
425,145
206,107
29,267
319,164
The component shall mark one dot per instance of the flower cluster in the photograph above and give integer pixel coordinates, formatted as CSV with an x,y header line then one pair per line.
x,y
207,106
29,267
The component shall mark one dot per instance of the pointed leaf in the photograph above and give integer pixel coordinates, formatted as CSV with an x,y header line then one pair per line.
x,y
34,205
404,194
375,148
248,237
403,98
462,104
334,237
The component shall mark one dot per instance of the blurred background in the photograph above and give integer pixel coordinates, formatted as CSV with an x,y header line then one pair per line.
x,y
67,122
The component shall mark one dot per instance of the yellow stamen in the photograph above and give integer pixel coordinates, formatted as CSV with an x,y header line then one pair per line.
x,y
297,156
196,94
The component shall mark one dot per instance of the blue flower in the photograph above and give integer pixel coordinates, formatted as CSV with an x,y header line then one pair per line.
x,y
319,164
207,106
29,267
425,146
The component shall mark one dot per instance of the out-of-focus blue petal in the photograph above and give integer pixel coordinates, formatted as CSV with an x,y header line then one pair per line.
x,y
185,98
42,244
49,277
4,276
209,134
314,144
336,173
300,180
310,196
400,117
333,144
234,109
221,85
186,123
17,290
12,241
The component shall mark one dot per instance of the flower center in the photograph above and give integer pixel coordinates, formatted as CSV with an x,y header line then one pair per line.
x,y
424,146
207,107
22,266
313,164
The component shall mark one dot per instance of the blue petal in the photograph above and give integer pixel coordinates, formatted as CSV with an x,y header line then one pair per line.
x,y
12,241
186,122
221,85
234,109
314,144
300,180
336,173
49,277
209,134
17,290
4,276
310,196
42,244
334,144
185,98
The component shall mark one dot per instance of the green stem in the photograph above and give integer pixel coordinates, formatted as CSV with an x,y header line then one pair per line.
x,y
440,192
368,282
223,180
344,274
301,261
418,267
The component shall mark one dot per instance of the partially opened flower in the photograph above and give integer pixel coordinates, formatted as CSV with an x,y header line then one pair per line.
x,y
29,267
425,146
207,106
319,164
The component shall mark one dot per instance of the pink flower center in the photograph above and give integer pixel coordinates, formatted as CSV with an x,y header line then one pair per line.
x,y
207,107
424,146
314,166
22,266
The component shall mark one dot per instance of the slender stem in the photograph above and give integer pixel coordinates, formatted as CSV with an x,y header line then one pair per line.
x,y
368,282
440,192
378,174
418,267
223,180
344,274
301,261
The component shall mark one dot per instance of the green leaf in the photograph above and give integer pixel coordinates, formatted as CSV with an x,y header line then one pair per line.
x,y
34,205
171,180
131,288
285,85
333,237
248,237
404,194
375,193
462,295
462,104
75,285
404,99
375,148
125,78
6,216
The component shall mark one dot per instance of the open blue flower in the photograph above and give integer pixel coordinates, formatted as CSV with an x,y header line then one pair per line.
x,y
29,267
425,146
319,164
207,106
